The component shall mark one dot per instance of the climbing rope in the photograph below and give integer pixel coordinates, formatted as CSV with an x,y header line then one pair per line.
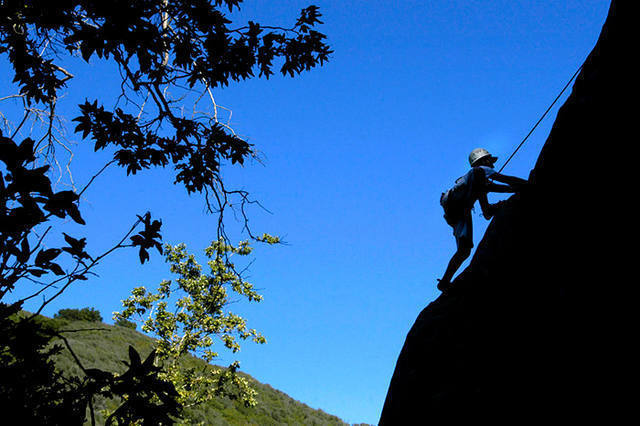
x,y
540,120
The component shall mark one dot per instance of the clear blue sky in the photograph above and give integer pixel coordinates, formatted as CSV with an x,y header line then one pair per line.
x,y
356,156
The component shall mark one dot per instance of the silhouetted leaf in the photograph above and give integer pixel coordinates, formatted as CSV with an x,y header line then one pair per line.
x,y
56,269
134,357
46,256
143,254
76,247
37,272
23,254
75,214
148,363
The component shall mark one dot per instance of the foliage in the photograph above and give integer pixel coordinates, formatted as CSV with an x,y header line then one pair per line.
x,y
84,314
165,51
36,392
26,193
198,315
161,47
30,388
147,397
102,346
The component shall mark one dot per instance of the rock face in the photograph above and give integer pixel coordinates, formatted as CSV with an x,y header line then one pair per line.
x,y
527,332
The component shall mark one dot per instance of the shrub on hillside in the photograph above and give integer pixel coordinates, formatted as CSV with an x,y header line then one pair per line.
x,y
126,323
84,314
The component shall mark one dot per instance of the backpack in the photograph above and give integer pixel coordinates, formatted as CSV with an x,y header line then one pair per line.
x,y
454,200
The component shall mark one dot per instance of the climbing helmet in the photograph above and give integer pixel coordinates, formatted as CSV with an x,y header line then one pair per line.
x,y
478,154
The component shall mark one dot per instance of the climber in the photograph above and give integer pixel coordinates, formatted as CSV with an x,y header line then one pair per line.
x,y
459,200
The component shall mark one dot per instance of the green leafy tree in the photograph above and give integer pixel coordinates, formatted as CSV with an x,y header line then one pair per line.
x,y
197,317
170,55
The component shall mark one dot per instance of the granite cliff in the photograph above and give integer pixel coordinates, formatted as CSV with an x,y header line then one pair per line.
x,y
528,331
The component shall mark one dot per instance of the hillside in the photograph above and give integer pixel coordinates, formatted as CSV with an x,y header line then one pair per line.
x,y
533,326
103,346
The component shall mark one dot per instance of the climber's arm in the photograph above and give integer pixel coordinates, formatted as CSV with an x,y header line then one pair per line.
x,y
496,187
512,181
487,209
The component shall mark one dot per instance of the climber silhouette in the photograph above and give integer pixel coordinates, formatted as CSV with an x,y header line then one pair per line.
x,y
459,200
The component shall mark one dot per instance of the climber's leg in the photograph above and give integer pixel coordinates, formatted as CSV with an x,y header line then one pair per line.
x,y
463,232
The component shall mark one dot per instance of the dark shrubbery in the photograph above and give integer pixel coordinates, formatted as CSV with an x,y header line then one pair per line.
x,y
84,314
